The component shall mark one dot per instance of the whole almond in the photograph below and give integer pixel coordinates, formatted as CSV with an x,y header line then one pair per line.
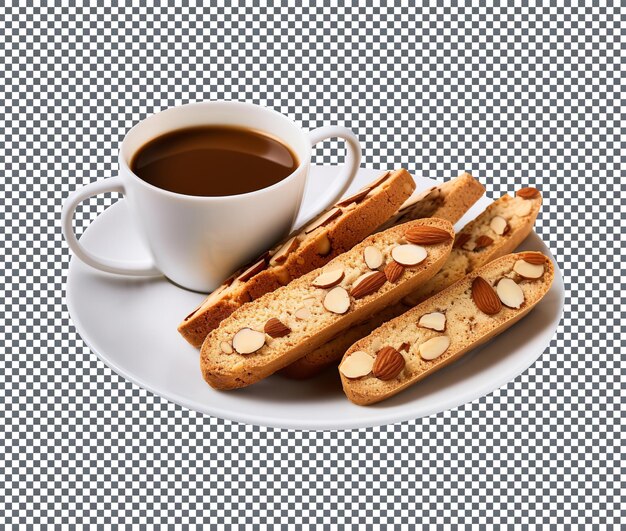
x,y
388,364
485,297
393,271
276,328
461,240
533,258
425,235
527,193
483,241
368,285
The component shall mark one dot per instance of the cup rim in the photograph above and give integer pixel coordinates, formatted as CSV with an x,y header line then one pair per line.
x,y
210,198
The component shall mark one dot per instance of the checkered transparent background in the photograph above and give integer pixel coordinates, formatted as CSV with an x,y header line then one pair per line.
x,y
516,95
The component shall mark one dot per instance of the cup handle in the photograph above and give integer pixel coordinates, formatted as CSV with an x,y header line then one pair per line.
x,y
113,184
347,172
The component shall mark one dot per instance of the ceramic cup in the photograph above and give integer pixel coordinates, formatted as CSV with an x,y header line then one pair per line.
x,y
197,242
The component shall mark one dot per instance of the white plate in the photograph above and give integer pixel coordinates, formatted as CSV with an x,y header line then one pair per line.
x,y
131,324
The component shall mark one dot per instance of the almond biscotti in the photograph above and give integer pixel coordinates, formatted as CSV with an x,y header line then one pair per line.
x,y
449,201
332,233
443,328
499,229
267,334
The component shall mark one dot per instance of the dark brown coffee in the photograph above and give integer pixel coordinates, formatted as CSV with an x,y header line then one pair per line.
x,y
214,161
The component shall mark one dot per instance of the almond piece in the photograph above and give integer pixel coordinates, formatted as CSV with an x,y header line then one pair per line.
x,y
433,321
510,293
302,314
425,235
373,257
388,364
393,271
461,239
252,270
484,297
534,257
322,246
527,193
285,249
337,300
276,328
357,364
409,254
322,220
527,270
435,347
247,341
523,208
226,347
355,198
483,241
368,284
328,279
499,225
379,181
405,346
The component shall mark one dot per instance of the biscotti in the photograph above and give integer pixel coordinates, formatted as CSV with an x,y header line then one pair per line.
x,y
330,234
267,334
500,228
449,201
443,328
497,231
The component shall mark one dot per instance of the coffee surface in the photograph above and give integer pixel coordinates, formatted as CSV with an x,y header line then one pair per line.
x,y
214,161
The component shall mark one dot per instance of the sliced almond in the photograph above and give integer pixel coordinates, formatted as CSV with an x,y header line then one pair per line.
x,y
252,270
379,181
405,346
523,208
499,225
247,341
427,235
355,198
435,347
409,254
328,279
309,301
388,364
367,284
534,257
357,364
322,220
433,321
484,297
276,328
428,194
302,314
393,271
528,270
285,250
373,257
527,193
483,241
510,293
226,347
461,239
337,300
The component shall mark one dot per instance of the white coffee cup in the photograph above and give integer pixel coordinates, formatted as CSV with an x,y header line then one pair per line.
x,y
197,242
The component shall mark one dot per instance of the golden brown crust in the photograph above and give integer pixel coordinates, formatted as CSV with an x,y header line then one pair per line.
x,y
466,327
317,248
227,371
